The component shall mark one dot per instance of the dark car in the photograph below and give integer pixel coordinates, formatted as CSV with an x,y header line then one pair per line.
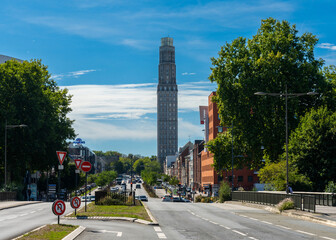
x,y
177,199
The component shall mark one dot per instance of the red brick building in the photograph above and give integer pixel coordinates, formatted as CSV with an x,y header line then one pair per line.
x,y
210,180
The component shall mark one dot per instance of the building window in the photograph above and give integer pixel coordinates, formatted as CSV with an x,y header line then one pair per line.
x,y
250,178
240,178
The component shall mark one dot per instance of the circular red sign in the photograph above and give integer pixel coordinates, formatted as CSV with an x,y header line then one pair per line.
x,y
75,202
86,166
58,207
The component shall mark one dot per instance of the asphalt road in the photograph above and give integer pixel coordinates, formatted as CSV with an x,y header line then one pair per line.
x,y
19,220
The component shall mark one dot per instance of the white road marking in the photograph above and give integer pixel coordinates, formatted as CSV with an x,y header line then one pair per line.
x,y
213,222
328,238
283,227
157,229
161,235
119,234
311,234
25,214
267,222
243,234
33,212
253,238
225,227
253,219
205,219
243,216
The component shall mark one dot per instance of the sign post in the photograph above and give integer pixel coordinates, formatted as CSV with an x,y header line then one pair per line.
x,y
78,164
86,167
75,203
61,156
58,208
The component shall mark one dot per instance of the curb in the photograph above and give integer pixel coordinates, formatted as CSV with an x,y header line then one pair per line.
x,y
74,234
289,213
154,222
36,229
19,205
136,220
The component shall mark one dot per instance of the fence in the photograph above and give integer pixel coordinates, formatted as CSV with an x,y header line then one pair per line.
x,y
8,196
123,197
301,201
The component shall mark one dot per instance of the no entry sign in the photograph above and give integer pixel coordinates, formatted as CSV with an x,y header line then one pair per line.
x,y
86,166
75,202
58,207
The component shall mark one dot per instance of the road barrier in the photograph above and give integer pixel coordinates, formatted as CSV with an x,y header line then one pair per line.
x,y
304,202
8,196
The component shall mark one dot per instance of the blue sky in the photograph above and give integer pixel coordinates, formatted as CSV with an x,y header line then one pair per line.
x,y
106,53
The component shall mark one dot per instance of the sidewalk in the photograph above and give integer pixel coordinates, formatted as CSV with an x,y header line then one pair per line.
x,y
11,204
323,215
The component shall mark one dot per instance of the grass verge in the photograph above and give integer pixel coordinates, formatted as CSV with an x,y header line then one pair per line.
x,y
94,210
50,232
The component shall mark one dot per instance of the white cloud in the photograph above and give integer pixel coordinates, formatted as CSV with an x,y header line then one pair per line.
x,y
186,73
75,74
126,111
327,46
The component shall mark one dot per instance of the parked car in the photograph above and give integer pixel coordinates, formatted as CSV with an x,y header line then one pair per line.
x,y
143,198
186,200
167,198
92,198
138,186
87,199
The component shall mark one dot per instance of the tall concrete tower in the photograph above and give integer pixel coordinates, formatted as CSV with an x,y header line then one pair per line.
x,y
166,101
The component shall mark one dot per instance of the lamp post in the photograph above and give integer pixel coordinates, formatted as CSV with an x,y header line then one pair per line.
x,y
286,120
9,127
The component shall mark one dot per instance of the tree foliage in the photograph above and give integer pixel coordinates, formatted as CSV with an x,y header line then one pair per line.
x,y
29,96
312,147
275,58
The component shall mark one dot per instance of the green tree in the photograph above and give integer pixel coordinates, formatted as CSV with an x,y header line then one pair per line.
x,y
29,96
118,166
174,181
312,147
276,57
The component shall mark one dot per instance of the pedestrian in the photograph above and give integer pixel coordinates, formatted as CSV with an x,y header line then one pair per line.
x,y
290,190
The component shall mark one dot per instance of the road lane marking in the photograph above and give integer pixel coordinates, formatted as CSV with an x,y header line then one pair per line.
x,y
32,212
253,238
243,234
283,227
161,235
267,222
311,234
243,216
213,222
205,219
25,214
328,238
253,219
157,229
225,227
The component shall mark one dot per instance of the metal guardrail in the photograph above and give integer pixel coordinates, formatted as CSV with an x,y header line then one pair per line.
x,y
8,196
301,201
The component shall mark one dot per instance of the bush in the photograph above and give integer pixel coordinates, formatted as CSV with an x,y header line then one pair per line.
x,y
285,204
224,192
331,187
198,198
110,201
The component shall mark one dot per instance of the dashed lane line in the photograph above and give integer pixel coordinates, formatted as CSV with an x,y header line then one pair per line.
x,y
328,238
225,227
311,234
157,229
283,227
267,222
243,234
253,238
161,235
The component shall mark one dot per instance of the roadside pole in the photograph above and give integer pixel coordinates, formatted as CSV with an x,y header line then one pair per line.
x,y
85,189
78,163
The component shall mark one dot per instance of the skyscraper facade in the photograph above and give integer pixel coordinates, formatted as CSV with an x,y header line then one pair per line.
x,y
167,128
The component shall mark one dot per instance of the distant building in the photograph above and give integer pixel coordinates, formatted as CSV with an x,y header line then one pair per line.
x,y
197,172
4,59
167,102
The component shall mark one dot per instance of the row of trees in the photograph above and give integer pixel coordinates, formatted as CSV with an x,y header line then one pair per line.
x,y
28,95
274,59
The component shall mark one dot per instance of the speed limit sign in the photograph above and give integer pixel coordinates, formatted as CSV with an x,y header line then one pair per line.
x,y
75,202
58,207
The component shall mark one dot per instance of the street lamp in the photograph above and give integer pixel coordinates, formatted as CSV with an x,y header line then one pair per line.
x,y
9,127
286,98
